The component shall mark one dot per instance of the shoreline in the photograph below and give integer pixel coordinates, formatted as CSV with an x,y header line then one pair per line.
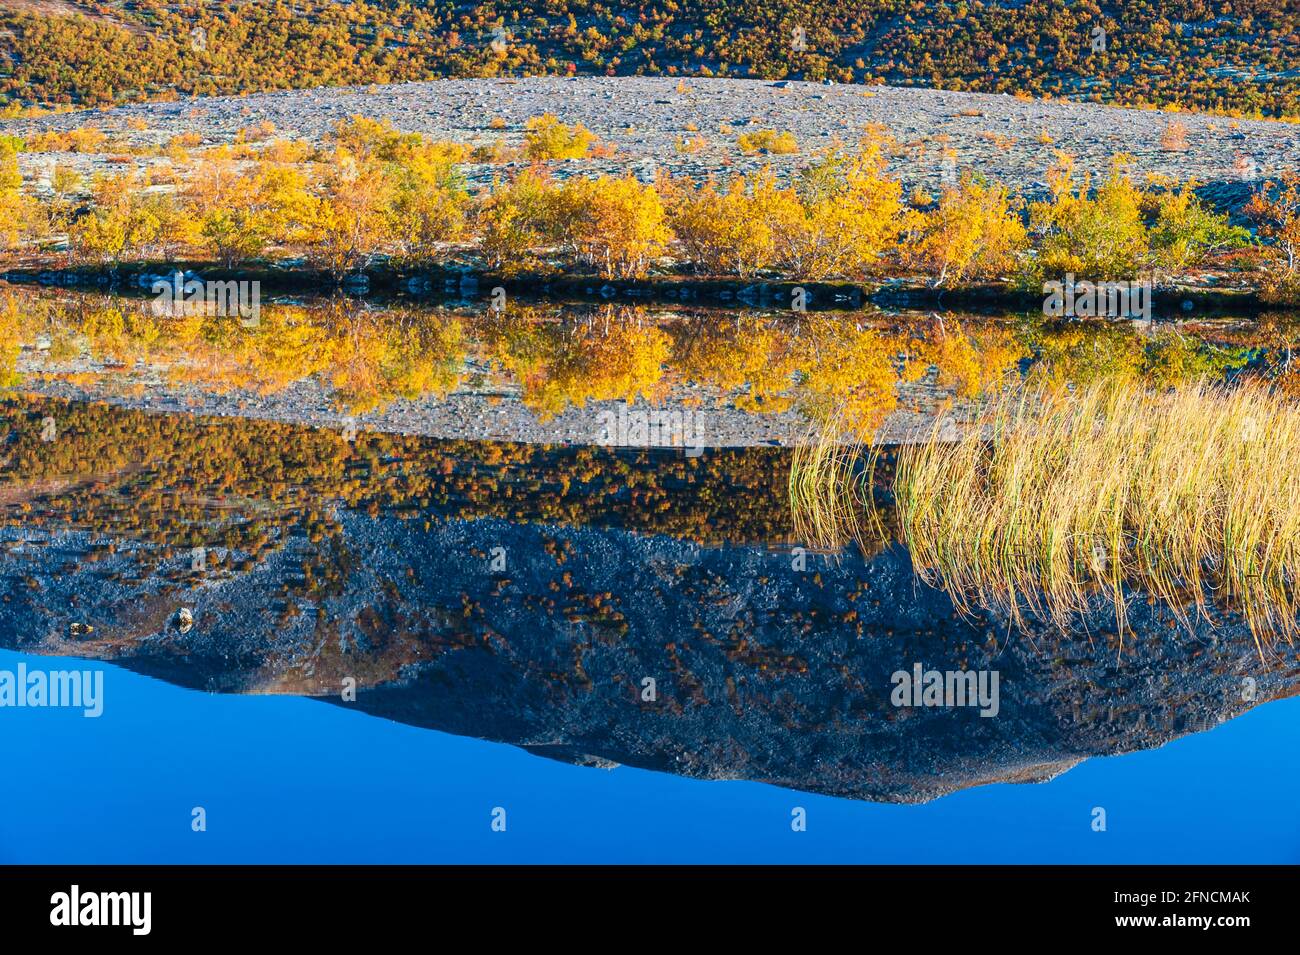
x,y
448,284
479,416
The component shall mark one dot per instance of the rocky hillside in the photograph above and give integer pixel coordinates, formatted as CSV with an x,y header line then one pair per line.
x,y
1233,54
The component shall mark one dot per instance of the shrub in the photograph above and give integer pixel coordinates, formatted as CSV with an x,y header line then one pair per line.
x,y
727,232
1174,137
618,226
237,213
1098,237
974,233
849,221
1276,210
127,219
83,139
350,221
18,213
514,219
767,141
545,137
1184,232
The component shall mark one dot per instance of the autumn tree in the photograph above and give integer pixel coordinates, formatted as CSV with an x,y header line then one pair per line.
x,y
973,233
350,219
1183,232
1080,353
1097,236
377,358
618,226
720,231
752,361
1172,358
236,213
1276,211
851,378
545,137
15,208
767,141
127,218
11,341
614,356
429,202
850,221
373,140
423,192
514,219
65,183
971,363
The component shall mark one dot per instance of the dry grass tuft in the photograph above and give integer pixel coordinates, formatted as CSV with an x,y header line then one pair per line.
x,y
828,494
1058,497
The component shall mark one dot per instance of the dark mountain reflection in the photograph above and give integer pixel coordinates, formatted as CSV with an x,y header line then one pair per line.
x,y
526,595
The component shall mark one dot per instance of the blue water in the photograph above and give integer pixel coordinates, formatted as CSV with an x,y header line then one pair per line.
x,y
291,780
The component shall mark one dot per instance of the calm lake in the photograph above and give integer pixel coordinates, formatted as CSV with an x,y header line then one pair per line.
x,y
415,584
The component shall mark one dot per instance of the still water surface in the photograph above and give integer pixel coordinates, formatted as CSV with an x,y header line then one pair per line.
x,y
499,607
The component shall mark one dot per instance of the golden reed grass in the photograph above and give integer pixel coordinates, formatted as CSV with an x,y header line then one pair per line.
x,y
1057,496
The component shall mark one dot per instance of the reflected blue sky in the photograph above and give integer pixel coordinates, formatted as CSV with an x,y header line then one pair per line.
x,y
292,780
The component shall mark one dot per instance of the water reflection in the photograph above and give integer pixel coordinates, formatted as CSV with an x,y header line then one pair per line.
x,y
550,360
527,594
